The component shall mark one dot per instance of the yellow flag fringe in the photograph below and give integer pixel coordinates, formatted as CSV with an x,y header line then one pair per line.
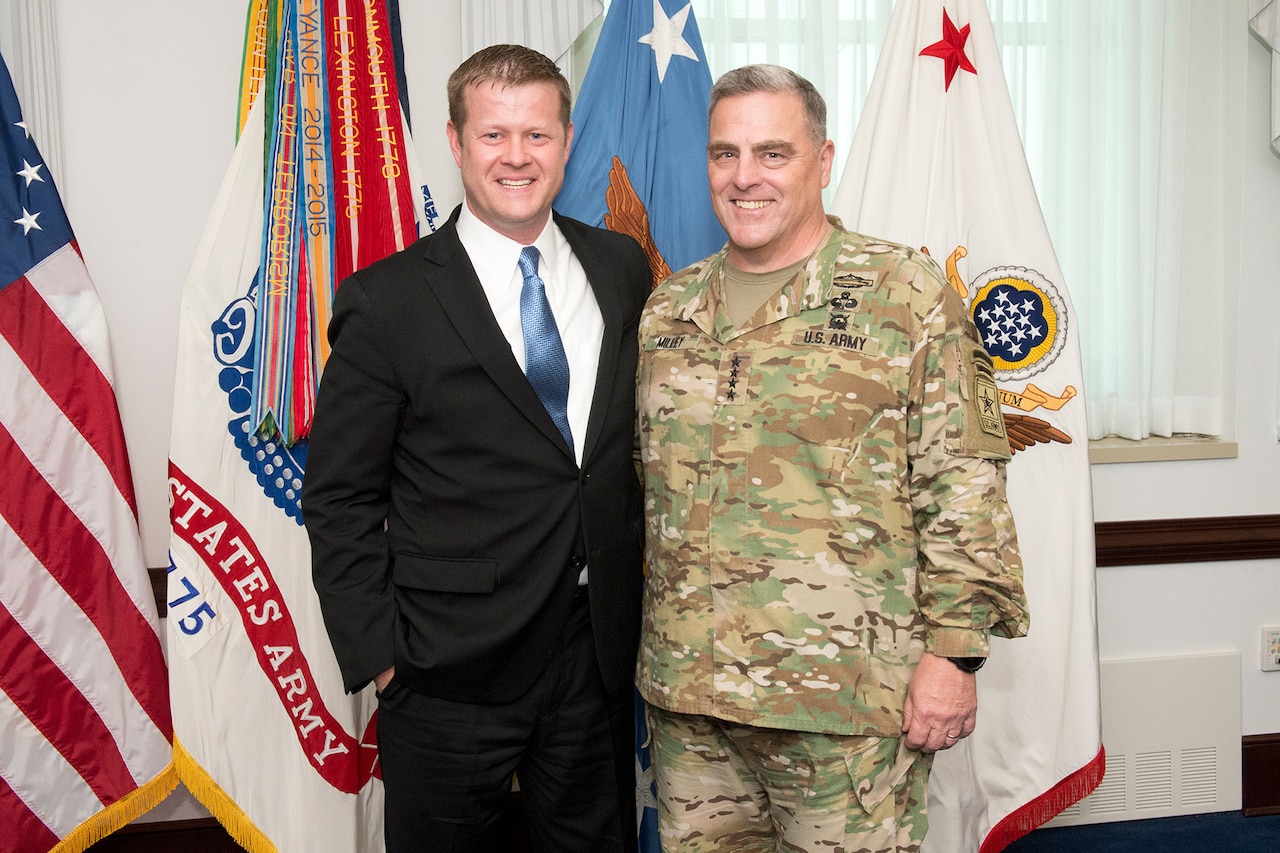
x,y
127,809
219,803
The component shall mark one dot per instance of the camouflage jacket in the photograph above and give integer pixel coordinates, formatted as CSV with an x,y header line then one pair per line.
x,y
824,492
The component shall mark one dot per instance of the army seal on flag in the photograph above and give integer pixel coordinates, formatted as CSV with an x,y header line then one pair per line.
x,y
1021,318
278,468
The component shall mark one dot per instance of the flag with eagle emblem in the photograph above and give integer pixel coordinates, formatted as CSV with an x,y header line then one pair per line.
x,y
937,163
638,165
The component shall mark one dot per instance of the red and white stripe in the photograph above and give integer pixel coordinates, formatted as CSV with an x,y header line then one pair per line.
x,y
84,706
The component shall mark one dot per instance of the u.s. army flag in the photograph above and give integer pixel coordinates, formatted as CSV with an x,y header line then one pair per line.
x,y
937,162
319,185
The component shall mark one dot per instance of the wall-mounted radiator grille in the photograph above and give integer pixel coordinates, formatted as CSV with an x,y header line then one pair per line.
x,y
1171,727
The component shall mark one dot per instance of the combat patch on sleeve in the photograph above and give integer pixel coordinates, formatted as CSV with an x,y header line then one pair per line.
x,y
982,426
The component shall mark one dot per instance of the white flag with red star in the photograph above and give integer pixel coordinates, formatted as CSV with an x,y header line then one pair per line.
x,y
937,162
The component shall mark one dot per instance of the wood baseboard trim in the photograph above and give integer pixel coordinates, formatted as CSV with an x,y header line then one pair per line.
x,y
204,835
1260,781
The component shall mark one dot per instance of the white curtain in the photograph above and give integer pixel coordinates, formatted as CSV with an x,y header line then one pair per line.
x,y
1264,20
30,49
1132,116
547,26
1131,112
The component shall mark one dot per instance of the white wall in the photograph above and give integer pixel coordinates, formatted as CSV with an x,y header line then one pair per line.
x,y
1152,611
149,124
148,94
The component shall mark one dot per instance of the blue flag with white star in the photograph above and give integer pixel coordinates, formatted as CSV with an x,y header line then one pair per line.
x,y
638,164
644,101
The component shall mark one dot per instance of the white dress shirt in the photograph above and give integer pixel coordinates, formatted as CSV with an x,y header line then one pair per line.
x,y
496,262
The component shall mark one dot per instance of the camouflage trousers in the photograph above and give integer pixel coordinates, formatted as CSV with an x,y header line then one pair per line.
x,y
741,789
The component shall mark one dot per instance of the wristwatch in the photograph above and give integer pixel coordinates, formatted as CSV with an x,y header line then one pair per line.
x,y
968,664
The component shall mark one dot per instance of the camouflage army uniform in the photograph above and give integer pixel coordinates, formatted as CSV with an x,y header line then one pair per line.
x,y
824,492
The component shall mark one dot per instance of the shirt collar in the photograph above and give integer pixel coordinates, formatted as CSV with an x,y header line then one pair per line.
x,y
495,256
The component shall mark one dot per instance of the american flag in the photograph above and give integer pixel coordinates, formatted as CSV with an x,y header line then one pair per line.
x,y
85,732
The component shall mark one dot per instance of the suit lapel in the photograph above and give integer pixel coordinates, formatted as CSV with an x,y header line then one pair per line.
x,y
452,279
600,277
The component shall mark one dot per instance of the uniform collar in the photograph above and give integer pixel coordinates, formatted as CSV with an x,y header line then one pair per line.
x,y
701,301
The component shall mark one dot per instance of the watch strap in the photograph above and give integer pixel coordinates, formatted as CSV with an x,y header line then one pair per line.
x,y
968,664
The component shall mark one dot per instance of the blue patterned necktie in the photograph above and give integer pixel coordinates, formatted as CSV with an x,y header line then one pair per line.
x,y
545,363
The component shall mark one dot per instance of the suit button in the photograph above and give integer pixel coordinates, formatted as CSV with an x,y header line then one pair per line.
x,y
576,563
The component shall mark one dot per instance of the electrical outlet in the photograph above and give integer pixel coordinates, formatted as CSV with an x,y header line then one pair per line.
x,y
1270,649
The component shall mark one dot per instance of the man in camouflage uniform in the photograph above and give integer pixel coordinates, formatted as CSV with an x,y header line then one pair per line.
x,y
829,544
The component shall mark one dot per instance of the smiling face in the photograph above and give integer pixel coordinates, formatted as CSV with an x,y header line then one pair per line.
x,y
766,179
511,148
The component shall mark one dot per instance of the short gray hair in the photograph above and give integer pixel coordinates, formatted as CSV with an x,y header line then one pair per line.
x,y
774,78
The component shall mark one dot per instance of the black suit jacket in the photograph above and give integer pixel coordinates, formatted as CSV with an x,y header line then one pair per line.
x,y
448,518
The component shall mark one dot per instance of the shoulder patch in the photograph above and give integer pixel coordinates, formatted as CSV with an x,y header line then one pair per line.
x,y
987,398
981,425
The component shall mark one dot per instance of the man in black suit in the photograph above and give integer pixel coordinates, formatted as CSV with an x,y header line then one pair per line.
x,y
475,526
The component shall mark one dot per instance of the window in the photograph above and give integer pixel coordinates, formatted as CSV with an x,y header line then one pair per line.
x,y
1131,113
